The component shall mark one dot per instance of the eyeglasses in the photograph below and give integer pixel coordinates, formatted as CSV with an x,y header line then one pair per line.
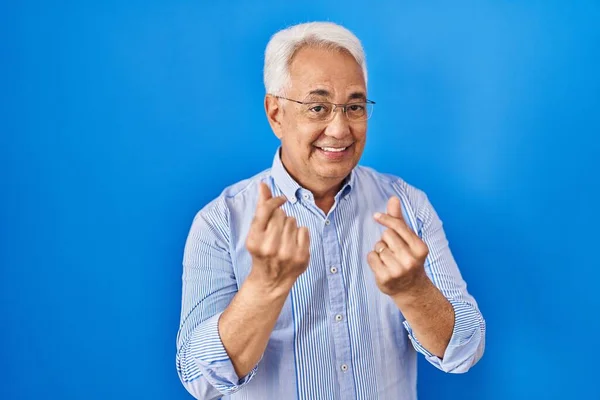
x,y
322,111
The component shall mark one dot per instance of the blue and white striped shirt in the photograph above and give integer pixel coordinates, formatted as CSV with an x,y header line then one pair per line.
x,y
338,336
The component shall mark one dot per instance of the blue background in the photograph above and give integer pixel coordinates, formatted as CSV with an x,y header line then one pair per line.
x,y
120,120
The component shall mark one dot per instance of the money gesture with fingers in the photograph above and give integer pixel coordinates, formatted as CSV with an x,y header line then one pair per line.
x,y
398,258
279,248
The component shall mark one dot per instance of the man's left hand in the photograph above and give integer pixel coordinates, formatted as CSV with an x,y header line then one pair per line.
x,y
398,259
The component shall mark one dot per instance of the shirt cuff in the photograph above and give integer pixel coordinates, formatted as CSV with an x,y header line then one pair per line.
x,y
210,357
466,344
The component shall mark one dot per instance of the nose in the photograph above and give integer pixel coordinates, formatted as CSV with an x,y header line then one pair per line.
x,y
339,127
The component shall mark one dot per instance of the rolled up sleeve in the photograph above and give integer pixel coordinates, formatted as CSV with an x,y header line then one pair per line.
x,y
203,360
209,285
466,345
467,342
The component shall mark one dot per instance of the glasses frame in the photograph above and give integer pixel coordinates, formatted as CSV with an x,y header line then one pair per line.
x,y
343,106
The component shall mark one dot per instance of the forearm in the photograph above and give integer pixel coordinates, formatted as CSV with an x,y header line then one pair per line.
x,y
430,315
246,324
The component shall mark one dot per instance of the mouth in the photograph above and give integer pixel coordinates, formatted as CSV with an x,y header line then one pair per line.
x,y
334,149
334,153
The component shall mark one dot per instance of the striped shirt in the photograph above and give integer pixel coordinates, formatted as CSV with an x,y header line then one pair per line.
x,y
338,336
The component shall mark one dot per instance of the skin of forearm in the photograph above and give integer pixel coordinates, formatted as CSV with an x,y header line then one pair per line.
x,y
246,324
429,314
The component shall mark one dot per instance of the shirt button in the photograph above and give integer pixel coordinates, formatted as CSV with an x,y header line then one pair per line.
x,y
327,222
333,270
306,196
292,199
344,367
338,317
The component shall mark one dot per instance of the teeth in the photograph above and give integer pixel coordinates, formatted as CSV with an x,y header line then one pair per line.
x,y
333,149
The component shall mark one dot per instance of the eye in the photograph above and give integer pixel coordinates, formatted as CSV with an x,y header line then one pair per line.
x,y
318,108
356,107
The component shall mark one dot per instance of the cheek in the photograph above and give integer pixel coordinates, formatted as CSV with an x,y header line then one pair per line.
x,y
360,133
307,135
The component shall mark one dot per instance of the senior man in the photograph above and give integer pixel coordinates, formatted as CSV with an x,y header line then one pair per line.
x,y
319,278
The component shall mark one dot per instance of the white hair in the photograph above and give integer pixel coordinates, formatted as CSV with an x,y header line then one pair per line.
x,y
285,43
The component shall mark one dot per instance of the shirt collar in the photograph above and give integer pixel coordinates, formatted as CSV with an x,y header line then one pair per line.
x,y
289,187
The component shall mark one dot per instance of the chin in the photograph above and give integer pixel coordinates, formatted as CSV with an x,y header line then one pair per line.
x,y
337,172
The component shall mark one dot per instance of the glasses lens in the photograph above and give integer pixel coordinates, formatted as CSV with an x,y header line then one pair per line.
x,y
318,111
357,111
323,111
368,110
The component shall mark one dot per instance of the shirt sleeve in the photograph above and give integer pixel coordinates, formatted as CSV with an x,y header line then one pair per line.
x,y
467,343
209,285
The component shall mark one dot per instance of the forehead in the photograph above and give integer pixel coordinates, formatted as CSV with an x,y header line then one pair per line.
x,y
334,70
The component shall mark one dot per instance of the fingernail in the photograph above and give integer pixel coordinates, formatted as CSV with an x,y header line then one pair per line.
x,y
377,215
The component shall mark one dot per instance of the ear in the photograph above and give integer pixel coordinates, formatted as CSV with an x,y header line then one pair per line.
x,y
274,114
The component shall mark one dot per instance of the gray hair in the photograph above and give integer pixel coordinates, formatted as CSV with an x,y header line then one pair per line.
x,y
284,44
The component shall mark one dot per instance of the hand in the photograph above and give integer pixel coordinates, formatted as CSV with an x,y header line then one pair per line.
x,y
399,257
279,249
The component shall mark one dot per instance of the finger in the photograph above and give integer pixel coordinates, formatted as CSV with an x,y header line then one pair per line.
x,y
380,246
264,193
272,237
379,269
303,239
398,225
289,240
394,207
389,260
276,222
265,211
394,241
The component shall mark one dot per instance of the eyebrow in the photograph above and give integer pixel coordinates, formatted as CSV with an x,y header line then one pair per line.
x,y
319,92
357,95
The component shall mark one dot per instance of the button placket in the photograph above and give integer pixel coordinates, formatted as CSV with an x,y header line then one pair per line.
x,y
337,301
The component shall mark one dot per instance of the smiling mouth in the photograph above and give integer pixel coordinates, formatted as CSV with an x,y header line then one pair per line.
x,y
333,149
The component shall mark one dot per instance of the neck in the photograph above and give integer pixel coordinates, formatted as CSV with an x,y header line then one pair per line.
x,y
325,196
323,191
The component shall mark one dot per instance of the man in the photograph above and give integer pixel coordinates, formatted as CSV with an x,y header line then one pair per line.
x,y
318,278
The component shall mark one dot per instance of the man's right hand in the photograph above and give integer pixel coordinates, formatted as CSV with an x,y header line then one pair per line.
x,y
279,249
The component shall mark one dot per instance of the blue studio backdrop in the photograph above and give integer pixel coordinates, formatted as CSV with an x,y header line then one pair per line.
x,y
120,120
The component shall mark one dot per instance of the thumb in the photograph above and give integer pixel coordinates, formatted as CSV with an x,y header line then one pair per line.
x,y
394,207
264,193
